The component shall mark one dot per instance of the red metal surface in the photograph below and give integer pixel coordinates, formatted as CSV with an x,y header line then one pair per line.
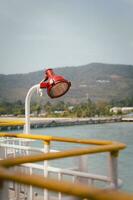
x,y
56,85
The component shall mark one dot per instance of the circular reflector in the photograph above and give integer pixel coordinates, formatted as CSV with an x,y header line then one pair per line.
x,y
59,89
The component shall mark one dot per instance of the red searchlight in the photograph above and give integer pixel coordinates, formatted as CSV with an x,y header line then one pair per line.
x,y
56,85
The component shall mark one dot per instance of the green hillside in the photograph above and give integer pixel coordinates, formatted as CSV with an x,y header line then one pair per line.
x,y
95,81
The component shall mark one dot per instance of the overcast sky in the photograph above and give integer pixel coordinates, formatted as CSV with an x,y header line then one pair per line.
x,y
35,34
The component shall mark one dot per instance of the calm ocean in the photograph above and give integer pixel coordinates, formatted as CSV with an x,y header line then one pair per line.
x,y
122,132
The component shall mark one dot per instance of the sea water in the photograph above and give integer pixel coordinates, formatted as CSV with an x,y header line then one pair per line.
x,y
122,132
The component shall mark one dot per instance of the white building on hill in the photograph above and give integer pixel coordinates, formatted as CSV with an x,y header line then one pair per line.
x,y
121,109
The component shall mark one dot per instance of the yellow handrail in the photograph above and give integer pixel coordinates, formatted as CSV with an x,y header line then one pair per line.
x,y
68,188
5,123
79,190
63,139
104,146
10,162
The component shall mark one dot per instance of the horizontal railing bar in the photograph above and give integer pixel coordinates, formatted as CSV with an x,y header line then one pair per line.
x,y
72,173
3,124
26,136
61,139
68,172
82,141
12,139
105,146
9,162
79,174
79,190
21,147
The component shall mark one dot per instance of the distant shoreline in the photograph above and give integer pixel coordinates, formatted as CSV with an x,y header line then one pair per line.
x,y
13,123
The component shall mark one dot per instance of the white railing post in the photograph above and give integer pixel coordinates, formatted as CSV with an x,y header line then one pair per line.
x,y
46,150
113,169
30,189
4,192
59,179
83,167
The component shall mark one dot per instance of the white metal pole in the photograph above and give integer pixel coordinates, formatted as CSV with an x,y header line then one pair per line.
x,y
27,121
27,107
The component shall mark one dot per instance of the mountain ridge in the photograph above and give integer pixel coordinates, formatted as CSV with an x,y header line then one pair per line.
x,y
96,81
